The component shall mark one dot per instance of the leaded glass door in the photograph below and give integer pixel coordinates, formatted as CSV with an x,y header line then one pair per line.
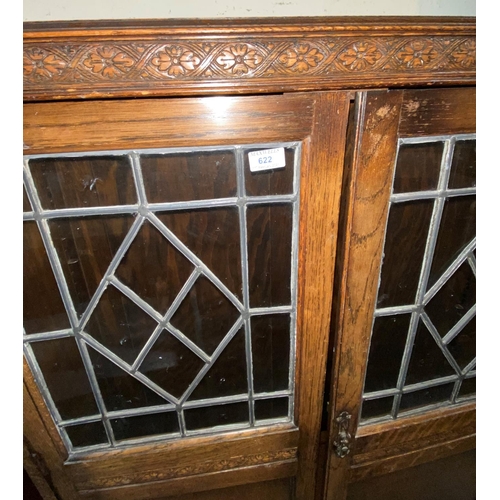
x,y
403,386
171,316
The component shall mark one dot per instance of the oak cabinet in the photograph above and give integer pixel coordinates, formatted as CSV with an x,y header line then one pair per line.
x,y
234,296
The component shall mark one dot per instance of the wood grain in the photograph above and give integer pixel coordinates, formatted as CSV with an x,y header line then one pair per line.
x,y
442,111
321,178
154,123
373,160
153,58
182,486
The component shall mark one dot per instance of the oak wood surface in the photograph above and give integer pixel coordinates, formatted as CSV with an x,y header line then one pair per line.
x,y
159,123
179,57
447,477
378,118
321,178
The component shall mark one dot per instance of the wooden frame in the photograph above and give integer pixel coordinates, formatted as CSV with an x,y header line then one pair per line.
x,y
109,61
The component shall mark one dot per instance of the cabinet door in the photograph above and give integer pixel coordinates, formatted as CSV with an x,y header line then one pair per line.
x,y
179,257
403,381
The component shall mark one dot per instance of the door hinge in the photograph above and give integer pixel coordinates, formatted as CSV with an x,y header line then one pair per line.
x,y
342,442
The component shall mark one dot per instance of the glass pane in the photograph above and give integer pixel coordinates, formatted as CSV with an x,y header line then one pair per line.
x,y
86,247
26,202
270,182
373,408
154,269
386,351
199,175
65,376
457,229
271,408
417,167
171,365
468,387
426,397
213,235
269,231
463,346
453,300
87,434
120,325
270,352
205,316
93,181
463,167
405,241
43,309
228,375
145,425
427,361
119,390
207,417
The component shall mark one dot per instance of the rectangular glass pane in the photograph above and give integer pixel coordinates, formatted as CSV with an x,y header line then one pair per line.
x,y
145,425
417,167
92,181
64,373
197,175
43,308
270,182
269,229
386,351
213,416
89,434
270,352
425,397
271,408
405,240
376,408
463,167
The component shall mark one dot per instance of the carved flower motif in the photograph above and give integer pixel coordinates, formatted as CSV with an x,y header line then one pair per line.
x,y
41,64
108,61
360,55
175,61
417,53
465,55
239,59
301,58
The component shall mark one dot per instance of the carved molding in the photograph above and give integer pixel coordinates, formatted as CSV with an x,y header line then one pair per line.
x,y
58,66
189,470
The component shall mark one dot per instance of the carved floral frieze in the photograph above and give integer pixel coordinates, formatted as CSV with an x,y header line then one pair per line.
x,y
144,63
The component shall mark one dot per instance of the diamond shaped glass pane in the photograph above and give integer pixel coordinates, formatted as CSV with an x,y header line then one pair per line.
x,y
120,325
153,268
205,315
171,365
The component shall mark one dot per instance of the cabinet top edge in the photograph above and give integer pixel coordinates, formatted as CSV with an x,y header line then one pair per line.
x,y
228,26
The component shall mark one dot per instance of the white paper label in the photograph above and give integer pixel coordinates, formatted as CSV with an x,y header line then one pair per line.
x,y
267,159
